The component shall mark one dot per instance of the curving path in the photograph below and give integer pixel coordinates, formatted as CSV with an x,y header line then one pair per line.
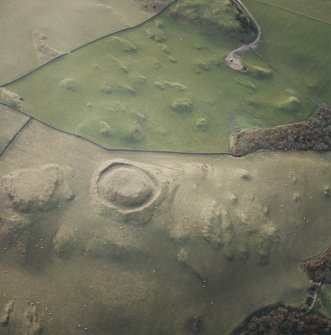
x,y
232,59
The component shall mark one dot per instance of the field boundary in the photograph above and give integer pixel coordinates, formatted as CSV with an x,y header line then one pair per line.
x,y
16,134
62,55
271,65
139,151
263,58
294,11
251,46
106,148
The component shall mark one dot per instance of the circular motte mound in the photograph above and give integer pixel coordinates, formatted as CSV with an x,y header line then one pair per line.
x,y
127,191
126,186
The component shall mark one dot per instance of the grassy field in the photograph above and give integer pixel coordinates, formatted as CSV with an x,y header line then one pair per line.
x,y
320,9
164,86
298,46
65,24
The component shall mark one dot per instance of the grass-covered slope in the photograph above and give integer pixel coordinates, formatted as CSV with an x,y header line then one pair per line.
x,y
297,45
163,86
222,16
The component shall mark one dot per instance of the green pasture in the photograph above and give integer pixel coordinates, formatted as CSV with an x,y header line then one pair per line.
x,y
319,9
163,86
298,46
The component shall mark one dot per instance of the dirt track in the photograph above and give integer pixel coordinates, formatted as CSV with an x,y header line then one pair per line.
x,y
232,60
